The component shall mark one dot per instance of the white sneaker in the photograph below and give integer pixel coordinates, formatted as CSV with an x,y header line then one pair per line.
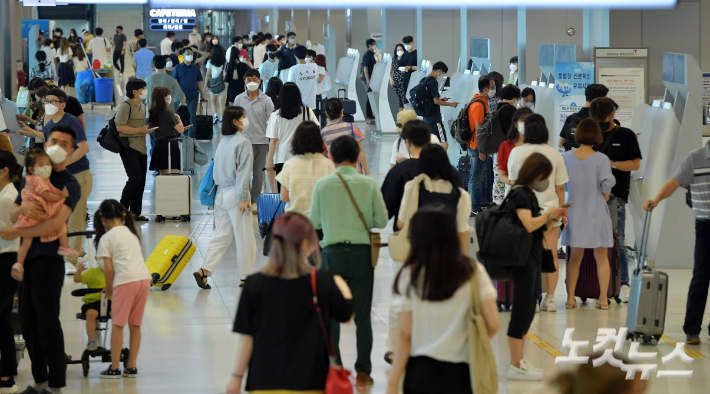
x,y
530,367
522,373
537,307
83,259
624,293
548,304
69,268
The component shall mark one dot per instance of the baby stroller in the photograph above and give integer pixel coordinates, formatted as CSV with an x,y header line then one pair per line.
x,y
102,323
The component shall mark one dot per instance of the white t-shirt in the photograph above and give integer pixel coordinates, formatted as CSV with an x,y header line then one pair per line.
x,y
306,78
80,65
299,176
324,85
440,328
8,194
463,208
399,149
63,57
518,155
284,129
267,70
165,47
214,70
98,47
124,249
50,52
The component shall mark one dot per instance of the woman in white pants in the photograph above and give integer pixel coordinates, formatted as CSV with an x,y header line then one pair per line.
x,y
233,161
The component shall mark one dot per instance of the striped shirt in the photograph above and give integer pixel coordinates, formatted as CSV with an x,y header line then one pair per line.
x,y
694,174
339,128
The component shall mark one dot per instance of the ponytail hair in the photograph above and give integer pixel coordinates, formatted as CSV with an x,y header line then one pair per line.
x,y
112,209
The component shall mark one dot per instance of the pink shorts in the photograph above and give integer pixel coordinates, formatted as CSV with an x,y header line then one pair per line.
x,y
128,302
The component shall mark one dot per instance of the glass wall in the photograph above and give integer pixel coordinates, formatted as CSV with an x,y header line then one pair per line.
x,y
221,24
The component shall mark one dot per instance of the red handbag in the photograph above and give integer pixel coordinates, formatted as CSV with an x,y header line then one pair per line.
x,y
338,379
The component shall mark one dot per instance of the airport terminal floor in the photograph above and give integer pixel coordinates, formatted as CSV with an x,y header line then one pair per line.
x,y
188,345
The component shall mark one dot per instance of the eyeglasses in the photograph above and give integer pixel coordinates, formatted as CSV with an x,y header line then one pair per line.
x,y
52,101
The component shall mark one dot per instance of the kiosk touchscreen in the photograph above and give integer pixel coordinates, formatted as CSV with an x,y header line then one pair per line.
x,y
378,97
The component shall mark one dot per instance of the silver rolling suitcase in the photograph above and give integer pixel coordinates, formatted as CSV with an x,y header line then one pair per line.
x,y
173,194
187,155
646,316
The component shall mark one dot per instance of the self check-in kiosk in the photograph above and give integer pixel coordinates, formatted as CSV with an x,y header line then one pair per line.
x,y
378,96
345,78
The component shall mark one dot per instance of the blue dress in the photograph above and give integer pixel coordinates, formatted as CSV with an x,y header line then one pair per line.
x,y
589,220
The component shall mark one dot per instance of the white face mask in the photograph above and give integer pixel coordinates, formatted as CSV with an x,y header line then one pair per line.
x,y
245,123
144,94
491,93
407,47
188,58
521,127
528,105
169,63
308,60
252,86
292,41
248,41
215,42
440,79
51,109
239,45
57,154
168,99
400,53
513,68
43,171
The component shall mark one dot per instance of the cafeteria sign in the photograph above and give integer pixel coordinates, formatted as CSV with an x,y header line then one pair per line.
x,y
172,19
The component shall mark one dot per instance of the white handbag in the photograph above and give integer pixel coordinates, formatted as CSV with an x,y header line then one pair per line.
x,y
399,242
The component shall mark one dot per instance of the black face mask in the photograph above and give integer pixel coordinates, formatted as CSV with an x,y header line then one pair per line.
x,y
272,55
604,126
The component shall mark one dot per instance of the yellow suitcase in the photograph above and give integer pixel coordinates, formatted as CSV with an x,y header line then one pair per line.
x,y
168,259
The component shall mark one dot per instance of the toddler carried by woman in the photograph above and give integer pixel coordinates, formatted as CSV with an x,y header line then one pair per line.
x,y
38,189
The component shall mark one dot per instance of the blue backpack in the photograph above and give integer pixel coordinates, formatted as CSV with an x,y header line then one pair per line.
x,y
208,189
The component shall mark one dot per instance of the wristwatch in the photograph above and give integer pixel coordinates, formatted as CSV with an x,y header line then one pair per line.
x,y
613,164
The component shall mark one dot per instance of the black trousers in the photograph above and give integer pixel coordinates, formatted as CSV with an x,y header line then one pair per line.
x,y
8,287
425,375
526,284
136,166
118,61
39,314
698,289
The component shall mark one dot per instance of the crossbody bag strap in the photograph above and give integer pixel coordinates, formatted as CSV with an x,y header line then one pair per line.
x,y
316,306
350,194
606,143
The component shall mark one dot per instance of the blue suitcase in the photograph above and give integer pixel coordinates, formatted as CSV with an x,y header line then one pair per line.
x,y
270,207
464,169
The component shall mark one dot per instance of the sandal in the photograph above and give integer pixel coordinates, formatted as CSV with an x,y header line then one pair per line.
x,y
18,272
201,279
571,306
602,307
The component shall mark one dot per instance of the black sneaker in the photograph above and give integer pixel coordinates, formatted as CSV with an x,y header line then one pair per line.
x,y
130,373
30,390
8,386
111,373
561,253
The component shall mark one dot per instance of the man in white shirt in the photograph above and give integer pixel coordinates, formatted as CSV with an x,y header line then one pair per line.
x,y
99,47
306,76
268,69
166,43
195,37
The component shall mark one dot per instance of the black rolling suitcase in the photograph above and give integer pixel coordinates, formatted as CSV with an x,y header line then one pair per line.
x,y
464,168
349,107
204,126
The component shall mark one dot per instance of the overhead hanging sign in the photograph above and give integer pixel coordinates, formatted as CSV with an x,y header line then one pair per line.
x,y
172,19
571,79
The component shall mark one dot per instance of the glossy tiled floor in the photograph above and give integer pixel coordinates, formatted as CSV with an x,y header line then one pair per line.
x,y
188,346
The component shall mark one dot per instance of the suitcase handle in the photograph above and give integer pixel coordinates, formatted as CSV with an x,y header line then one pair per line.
x,y
641,259
170,162
345,96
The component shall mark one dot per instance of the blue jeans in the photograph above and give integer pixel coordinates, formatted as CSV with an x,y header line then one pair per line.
x,y
152,143
480,184
621,229
192,107
698,290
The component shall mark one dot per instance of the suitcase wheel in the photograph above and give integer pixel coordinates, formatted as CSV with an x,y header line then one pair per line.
x,y
185,218
618,300
159,219
85,364
584,299
156,278
630,336
649,340
165,287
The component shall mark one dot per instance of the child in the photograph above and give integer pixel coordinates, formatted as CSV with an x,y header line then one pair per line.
x,y
39,190
93,278
127,281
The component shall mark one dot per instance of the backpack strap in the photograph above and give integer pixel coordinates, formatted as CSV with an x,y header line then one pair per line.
x,y
485,107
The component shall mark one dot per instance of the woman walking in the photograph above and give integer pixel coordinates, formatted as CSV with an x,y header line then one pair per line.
x,y
233,163
216,81
234,76
277,318
65,71
590,226
397,76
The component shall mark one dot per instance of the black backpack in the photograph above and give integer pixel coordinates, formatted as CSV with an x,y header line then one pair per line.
x,y
460,128
420,98
491,134
108,137
569,131
503,240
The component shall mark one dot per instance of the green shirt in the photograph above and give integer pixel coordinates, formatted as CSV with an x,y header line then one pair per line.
x,y
333,212
93,278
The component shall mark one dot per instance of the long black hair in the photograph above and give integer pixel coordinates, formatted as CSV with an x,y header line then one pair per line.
x,y
434,162
519,113
284,63
438,269
290,103
112,209
400,45
217,57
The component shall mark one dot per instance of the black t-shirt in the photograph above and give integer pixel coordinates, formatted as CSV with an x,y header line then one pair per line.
x,y
289,350
368,60
73,106
408,59
60,180
506,115
166,125
393,186
570,127
623,146
433,87
524,198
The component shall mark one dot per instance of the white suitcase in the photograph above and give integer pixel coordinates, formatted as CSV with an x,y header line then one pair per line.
x,y
173,195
